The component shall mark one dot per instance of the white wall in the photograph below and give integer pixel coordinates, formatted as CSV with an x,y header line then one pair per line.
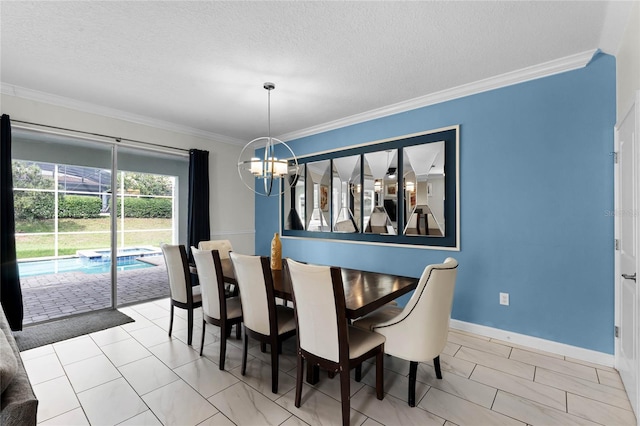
x,y
232,204
628,63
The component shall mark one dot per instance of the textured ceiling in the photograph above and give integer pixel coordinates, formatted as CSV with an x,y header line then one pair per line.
x,y
202,64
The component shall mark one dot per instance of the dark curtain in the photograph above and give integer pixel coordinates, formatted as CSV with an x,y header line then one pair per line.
x,y
10,291
198,199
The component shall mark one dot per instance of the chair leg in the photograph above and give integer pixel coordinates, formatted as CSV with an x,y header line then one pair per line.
x,y
190,326
345,397
436,364
358,373
204,325
313,373
299,373
244,352
413,369
380,375
238,330
171,321
263,347
274,366
223,350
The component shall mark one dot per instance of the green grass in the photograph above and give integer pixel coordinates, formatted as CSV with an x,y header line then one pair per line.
x,y
37,226
30,246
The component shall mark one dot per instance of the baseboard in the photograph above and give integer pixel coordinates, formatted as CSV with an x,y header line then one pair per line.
x,y
575,352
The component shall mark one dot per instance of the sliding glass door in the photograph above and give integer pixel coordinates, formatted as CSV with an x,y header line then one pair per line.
x,y
83,206
148,208
60,186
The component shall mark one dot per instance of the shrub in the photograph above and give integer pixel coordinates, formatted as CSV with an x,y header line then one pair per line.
x,y
31,206
35,206
146,207
79,207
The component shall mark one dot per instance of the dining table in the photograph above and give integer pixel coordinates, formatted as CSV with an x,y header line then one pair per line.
x,y
364,291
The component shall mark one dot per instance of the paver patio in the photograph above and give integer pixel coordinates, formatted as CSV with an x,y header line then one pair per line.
x,y
46,297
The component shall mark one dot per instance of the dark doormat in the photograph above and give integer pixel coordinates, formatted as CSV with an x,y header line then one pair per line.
x,y
55,331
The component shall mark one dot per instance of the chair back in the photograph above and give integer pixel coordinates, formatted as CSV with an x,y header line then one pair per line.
x,y
345,226
253,275
378,222
319,306
211,282
421,329
223,247
175,257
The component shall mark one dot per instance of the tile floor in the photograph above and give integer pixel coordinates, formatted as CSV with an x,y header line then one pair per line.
x,y
136,375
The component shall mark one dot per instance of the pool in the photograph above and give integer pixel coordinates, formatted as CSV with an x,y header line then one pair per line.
x,y
75,264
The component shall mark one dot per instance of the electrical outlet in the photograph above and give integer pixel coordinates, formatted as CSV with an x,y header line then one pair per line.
x,y
504,299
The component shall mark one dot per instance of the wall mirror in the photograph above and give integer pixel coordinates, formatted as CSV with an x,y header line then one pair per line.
x,y
318,180
424,189
346,177
381,170
295,201
403,190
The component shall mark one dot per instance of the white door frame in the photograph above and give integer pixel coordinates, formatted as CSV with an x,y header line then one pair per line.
x,y
617,280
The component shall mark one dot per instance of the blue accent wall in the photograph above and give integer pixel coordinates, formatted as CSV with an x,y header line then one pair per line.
x,y
535,195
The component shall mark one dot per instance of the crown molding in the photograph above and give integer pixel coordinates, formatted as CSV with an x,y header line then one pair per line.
x,y
557,66
534,72
48,98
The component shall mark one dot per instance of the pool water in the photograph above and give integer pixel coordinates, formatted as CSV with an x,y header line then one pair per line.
x,y
56,266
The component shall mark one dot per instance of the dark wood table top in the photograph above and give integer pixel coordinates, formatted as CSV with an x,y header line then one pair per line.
x,y
364,291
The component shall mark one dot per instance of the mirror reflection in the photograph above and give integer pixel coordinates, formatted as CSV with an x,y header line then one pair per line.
x,y
317,189
381,179
392,191
346,179
295,201
424,189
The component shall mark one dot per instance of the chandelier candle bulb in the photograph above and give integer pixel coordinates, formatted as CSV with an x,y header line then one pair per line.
x,y
280,167
256,166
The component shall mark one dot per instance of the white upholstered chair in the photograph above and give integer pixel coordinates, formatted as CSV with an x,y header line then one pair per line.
x,y
263,319
223,247
344,226
183,294
217,309
324,336
418,332
378,222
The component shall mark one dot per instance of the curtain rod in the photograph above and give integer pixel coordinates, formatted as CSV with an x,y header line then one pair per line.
x,y
116,138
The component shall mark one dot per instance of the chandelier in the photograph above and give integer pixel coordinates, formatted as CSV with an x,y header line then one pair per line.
x,y
258,165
